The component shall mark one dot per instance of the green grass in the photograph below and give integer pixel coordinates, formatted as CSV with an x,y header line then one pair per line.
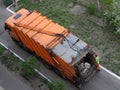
x,y
7,2
56,10
1,49
106,4
27,68
91,9
55,84
11,62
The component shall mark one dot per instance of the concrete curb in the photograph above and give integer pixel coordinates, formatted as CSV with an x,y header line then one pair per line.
x,y
108,71
24,61
8,8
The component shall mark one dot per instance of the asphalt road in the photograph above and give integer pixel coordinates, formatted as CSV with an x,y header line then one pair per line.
x,y
101,81
9,81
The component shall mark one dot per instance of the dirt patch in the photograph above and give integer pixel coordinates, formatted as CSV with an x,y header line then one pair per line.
x,y
86,2
70,4
99,21
77,9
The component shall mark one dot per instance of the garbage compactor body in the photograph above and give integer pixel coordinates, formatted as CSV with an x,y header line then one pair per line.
x,y
67,54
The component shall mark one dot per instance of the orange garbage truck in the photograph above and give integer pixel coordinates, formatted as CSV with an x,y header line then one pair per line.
x,y
67,54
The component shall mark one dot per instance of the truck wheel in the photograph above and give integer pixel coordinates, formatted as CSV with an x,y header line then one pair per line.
x,y
14,39
6,27
59,73
48,65
29,51
21,45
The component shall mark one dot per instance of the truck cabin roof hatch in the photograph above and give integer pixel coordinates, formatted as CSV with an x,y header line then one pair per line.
x,y
17,16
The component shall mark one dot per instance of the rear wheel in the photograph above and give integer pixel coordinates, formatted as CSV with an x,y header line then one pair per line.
x,y
14,39
48,66
6,27
59,73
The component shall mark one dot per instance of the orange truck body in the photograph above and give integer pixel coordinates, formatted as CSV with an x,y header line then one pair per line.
x,y
57,46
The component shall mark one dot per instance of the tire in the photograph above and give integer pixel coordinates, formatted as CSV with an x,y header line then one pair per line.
x,y
59,73
14,39
7,28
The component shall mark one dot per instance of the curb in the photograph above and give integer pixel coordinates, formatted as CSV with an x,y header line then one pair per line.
x,y
110,72
8,8
24,61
